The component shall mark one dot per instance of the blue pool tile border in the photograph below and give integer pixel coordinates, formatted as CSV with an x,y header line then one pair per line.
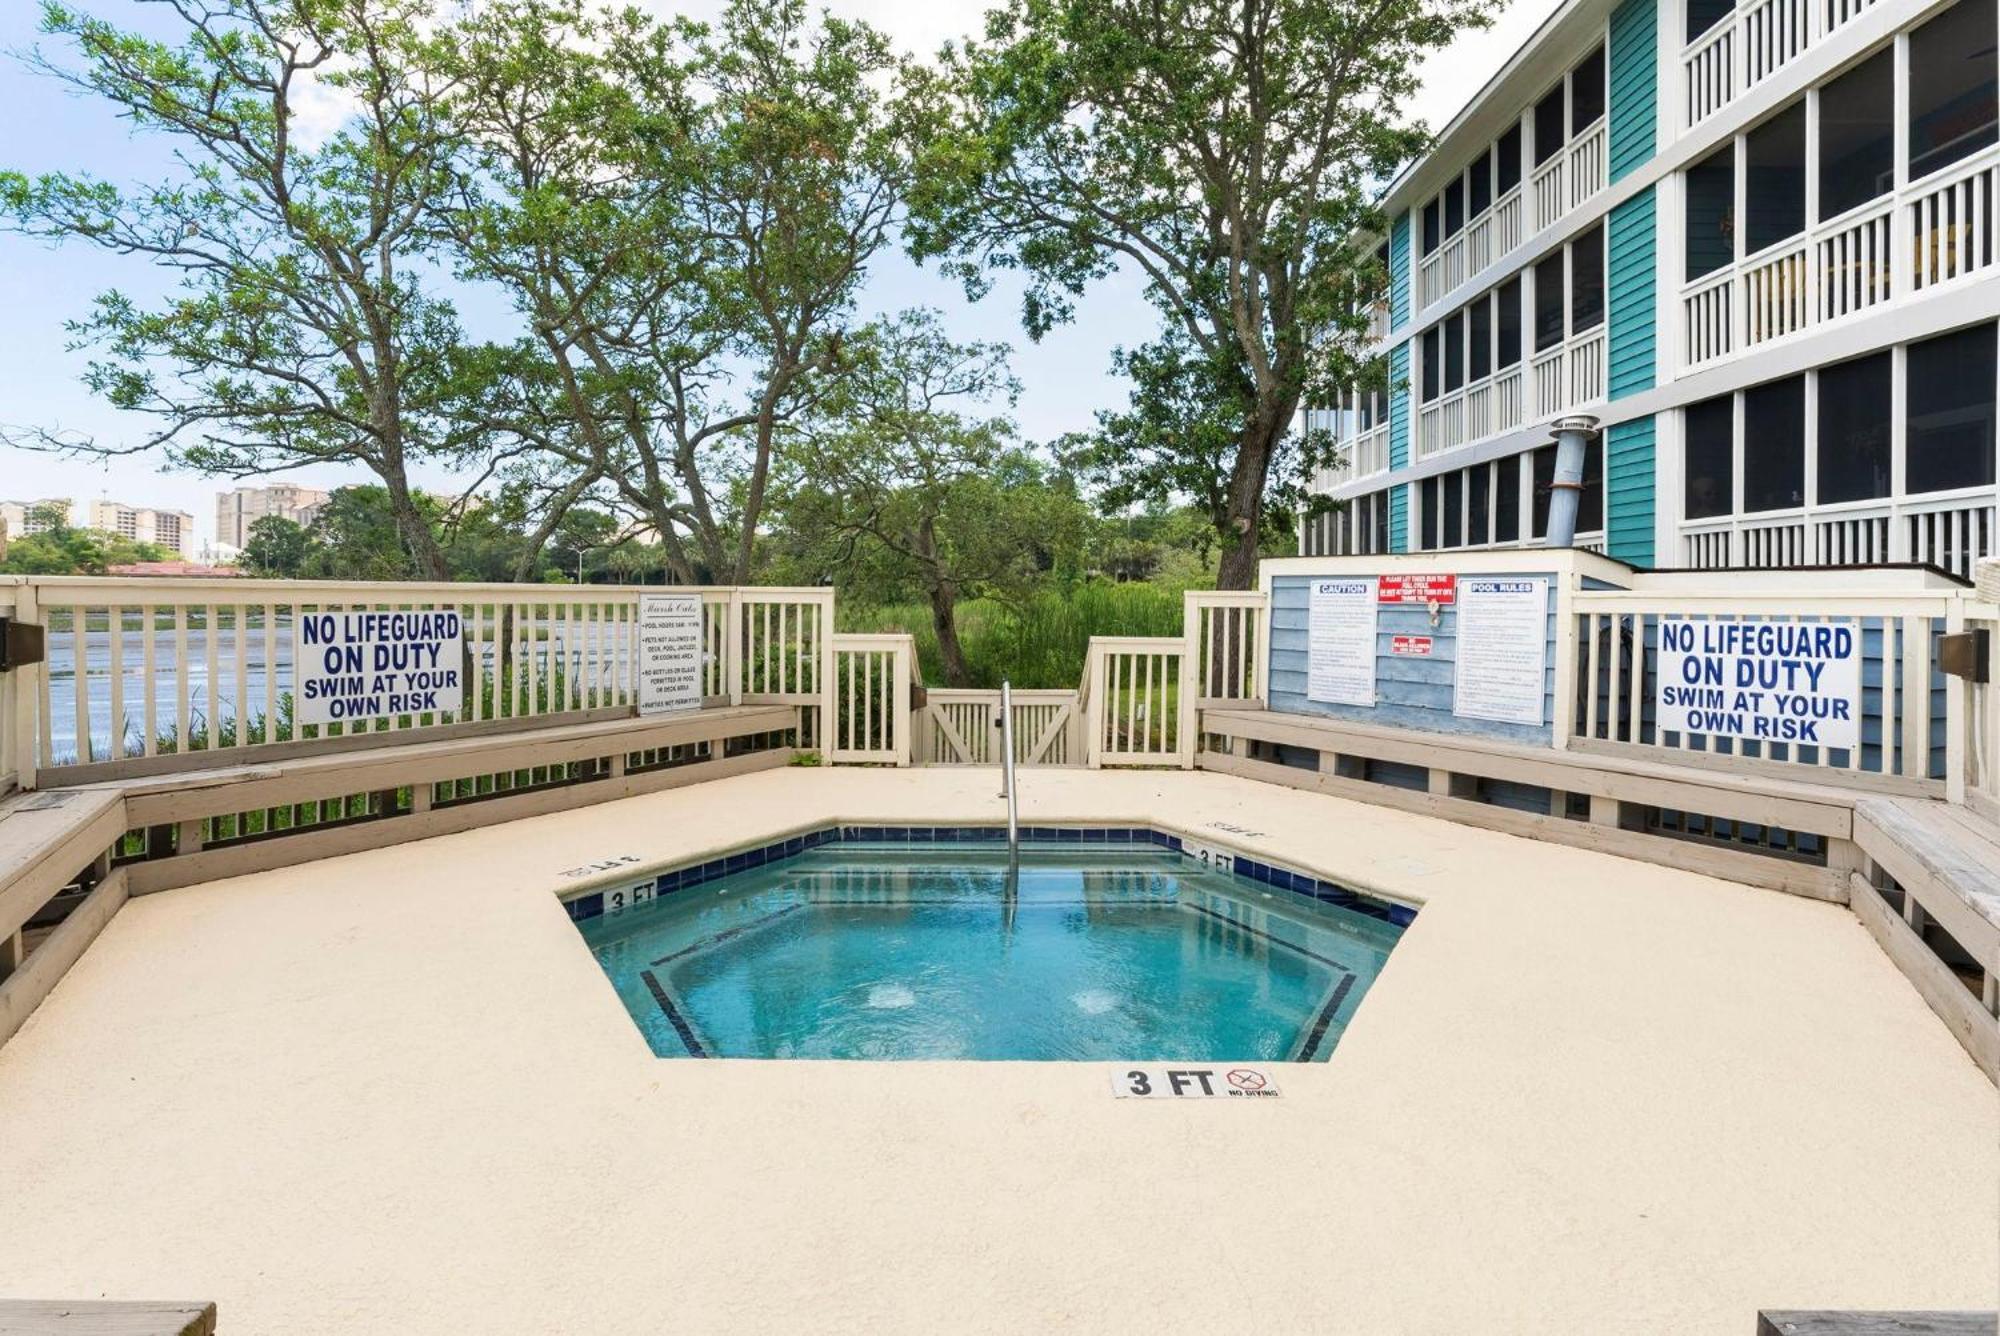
x,y
590,905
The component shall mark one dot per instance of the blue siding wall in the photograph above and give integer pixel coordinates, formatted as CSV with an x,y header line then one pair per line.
x,y
1409,692
1632,253
1634,85
1399,273
1628,491
1399,444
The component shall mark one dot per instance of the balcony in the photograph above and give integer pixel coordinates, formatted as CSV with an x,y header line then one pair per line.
x,y
1487,406
1949,530
1569,178
1933,233
1362,456
1751,45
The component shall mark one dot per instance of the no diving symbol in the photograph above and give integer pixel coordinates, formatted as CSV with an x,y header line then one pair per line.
x,y
1245,1079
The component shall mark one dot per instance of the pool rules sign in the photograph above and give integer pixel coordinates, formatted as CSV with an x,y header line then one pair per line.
x,y
669,653
377,665
1762,681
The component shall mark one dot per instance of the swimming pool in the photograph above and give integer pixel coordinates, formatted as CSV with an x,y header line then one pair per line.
x,y
867,948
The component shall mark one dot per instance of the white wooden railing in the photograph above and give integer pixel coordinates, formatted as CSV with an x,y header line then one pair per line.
x,y
1361,456
872,677
140,669
1616,641
1751,45
1136,713
961,726
1982,702
1507,232
1938,231
1226,648
1551,199
1950,530
1587,161
1569,375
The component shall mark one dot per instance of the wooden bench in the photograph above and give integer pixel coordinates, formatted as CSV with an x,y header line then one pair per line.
x,y
1945,860
57,838
1618,789
101,1317
1775,1322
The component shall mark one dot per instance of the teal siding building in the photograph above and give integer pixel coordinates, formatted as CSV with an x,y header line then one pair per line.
x,y
1760,258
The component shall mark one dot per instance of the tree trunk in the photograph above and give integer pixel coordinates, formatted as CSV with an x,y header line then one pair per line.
x,y
1243,512
944,621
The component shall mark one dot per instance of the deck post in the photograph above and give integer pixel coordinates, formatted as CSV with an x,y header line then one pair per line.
x,y
13,950
22,696
1605,811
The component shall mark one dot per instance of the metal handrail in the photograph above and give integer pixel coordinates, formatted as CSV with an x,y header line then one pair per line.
x,y
1007,769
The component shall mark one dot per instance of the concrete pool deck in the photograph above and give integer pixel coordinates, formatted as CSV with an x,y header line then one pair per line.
x,y
393,1093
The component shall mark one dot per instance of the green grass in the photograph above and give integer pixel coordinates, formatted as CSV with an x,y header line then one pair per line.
x,y
1042,643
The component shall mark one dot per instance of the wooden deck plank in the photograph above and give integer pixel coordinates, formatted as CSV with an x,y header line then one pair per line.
x,y
1951,868
1784,803
303,780
71,1317
46,838
23,990
1957,1323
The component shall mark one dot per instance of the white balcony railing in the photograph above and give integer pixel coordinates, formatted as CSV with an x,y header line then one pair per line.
x,y
1507,222
1586,162
1551,201
1951,223
1361,456
1751,45
1950,530
1849,264
1569,375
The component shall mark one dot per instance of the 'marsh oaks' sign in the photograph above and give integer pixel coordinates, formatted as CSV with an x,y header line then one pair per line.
x,y
1765,681
374,665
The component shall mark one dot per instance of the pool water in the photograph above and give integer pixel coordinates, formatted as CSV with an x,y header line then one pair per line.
x,y
911,951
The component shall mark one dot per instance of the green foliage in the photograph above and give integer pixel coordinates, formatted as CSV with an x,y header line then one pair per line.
x,y
62,550
1228,153
298,329
1041,642
275,549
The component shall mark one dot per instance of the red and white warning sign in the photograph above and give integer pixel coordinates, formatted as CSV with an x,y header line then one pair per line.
x,y
1410,647
1420,589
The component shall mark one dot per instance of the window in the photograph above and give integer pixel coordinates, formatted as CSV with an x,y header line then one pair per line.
x,y
1854,430
1478,485
1454,507
1705,14
1711,212
1774,445
1950,426
1586,280
1549,302
1454,352
1710,449
1507,343
1549,126
1507,502
1543,463
1432,363
1507,167
1952,89
1454,208
1480,330
1586,92
1480,196
1774,205
1432,213
1590,505
1427,492
1857,146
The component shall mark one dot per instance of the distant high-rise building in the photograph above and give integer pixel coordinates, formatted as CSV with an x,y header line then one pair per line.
x,y
20,518
238,511
171,529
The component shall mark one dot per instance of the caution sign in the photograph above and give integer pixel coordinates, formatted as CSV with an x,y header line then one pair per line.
x,y
1217,1082
1765,681
376,665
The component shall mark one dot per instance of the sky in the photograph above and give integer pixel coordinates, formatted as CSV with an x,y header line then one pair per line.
x,y
1065,378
